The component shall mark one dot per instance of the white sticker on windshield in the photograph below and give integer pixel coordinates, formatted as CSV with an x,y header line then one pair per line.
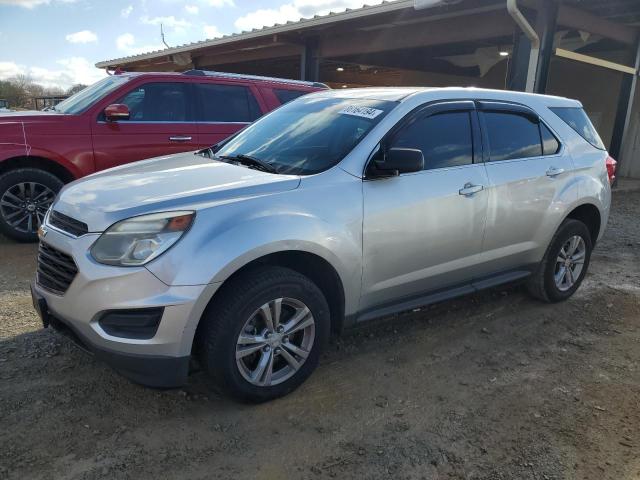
x,y
364,112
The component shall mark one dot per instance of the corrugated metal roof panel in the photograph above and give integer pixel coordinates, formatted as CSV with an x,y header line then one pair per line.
x,y
347,14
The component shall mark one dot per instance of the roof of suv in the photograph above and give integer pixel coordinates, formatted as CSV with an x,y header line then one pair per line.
x,y
232,76
399,94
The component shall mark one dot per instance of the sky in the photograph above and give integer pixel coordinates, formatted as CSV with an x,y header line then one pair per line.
x,y
58,42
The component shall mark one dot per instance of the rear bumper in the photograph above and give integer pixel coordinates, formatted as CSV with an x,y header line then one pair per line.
x,y
150,370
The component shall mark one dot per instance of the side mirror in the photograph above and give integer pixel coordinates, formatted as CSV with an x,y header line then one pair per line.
x,y
116,111
399,160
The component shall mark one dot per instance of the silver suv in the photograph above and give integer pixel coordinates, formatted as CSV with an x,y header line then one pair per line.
x,y
336,208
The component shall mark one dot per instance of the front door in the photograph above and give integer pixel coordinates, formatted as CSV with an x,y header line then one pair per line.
x,y
423,231
161,122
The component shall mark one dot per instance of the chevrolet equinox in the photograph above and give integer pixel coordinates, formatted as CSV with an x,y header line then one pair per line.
x,y
336,208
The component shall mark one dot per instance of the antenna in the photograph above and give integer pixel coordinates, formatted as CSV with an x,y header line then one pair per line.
x,y
162,36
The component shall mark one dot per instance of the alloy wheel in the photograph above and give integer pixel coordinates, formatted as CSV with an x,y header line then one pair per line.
x,y
570,262
24,205
275,342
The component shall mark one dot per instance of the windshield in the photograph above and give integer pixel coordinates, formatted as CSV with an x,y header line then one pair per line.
x,y
308,135
82,100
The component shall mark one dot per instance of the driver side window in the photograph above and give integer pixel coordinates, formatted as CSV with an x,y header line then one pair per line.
x,y
158,102
445,139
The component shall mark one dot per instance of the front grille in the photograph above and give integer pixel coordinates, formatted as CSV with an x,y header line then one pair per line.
x,y
67,224
56,270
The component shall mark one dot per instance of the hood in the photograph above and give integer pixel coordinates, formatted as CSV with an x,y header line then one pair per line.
x,y
20,128
183,181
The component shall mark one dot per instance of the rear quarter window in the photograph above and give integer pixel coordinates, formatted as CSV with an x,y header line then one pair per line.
x,y
550,144
578,120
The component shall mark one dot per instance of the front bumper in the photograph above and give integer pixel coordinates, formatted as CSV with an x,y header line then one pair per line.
x,y
159,361
150,370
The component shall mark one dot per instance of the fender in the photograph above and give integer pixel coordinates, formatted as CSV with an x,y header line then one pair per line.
x,y
35,154
593,188
298,220
232,249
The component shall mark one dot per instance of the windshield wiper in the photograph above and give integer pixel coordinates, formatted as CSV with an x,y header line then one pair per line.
x,y
250,161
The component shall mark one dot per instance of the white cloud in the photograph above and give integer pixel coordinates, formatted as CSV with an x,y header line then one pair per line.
x,y
81,70
73,70
125,12
125,41
294,11
32,3
211,31
192,9
127,44
177,24
9,69
83,36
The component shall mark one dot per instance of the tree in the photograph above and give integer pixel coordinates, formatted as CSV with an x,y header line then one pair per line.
x,y
20,91
76,88
15,95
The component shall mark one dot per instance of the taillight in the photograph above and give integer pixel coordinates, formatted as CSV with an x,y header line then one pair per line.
x,y
611,169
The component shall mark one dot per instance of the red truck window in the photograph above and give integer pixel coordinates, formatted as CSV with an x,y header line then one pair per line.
x,y
285,96
158,102
226,103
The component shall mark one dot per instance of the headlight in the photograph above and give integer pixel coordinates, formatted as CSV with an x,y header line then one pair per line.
x,y
138,240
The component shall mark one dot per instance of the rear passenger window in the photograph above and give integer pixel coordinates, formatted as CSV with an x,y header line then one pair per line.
x,y
158,102
285,96
226,103
445,139
550,144
512,136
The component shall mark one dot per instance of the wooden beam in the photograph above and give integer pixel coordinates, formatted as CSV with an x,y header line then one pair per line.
x,y
237,56
157,66
479,26
578,57
578,19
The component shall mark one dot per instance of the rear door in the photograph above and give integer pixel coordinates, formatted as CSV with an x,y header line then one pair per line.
x,y
529,174
423,231
223,109
161,122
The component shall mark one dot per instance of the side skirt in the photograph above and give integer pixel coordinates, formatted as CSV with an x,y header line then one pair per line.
x,y
422,300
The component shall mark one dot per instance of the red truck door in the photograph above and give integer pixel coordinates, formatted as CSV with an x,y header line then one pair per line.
x,y
161,122
224,108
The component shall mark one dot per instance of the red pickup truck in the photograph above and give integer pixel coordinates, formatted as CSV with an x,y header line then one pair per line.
x,y
121,119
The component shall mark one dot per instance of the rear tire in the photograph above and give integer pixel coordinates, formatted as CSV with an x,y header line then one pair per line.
x,y
255,360
25,196
564,265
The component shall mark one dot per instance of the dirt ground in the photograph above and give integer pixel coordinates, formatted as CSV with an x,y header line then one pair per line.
x,y
492,386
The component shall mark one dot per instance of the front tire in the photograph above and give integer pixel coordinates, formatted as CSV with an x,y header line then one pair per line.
x,y
263,333
565,263
25,196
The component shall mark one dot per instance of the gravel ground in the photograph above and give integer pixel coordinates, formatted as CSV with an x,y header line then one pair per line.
x,y
491,386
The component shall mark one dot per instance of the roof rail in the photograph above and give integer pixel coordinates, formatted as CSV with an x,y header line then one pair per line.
x,y
242,76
